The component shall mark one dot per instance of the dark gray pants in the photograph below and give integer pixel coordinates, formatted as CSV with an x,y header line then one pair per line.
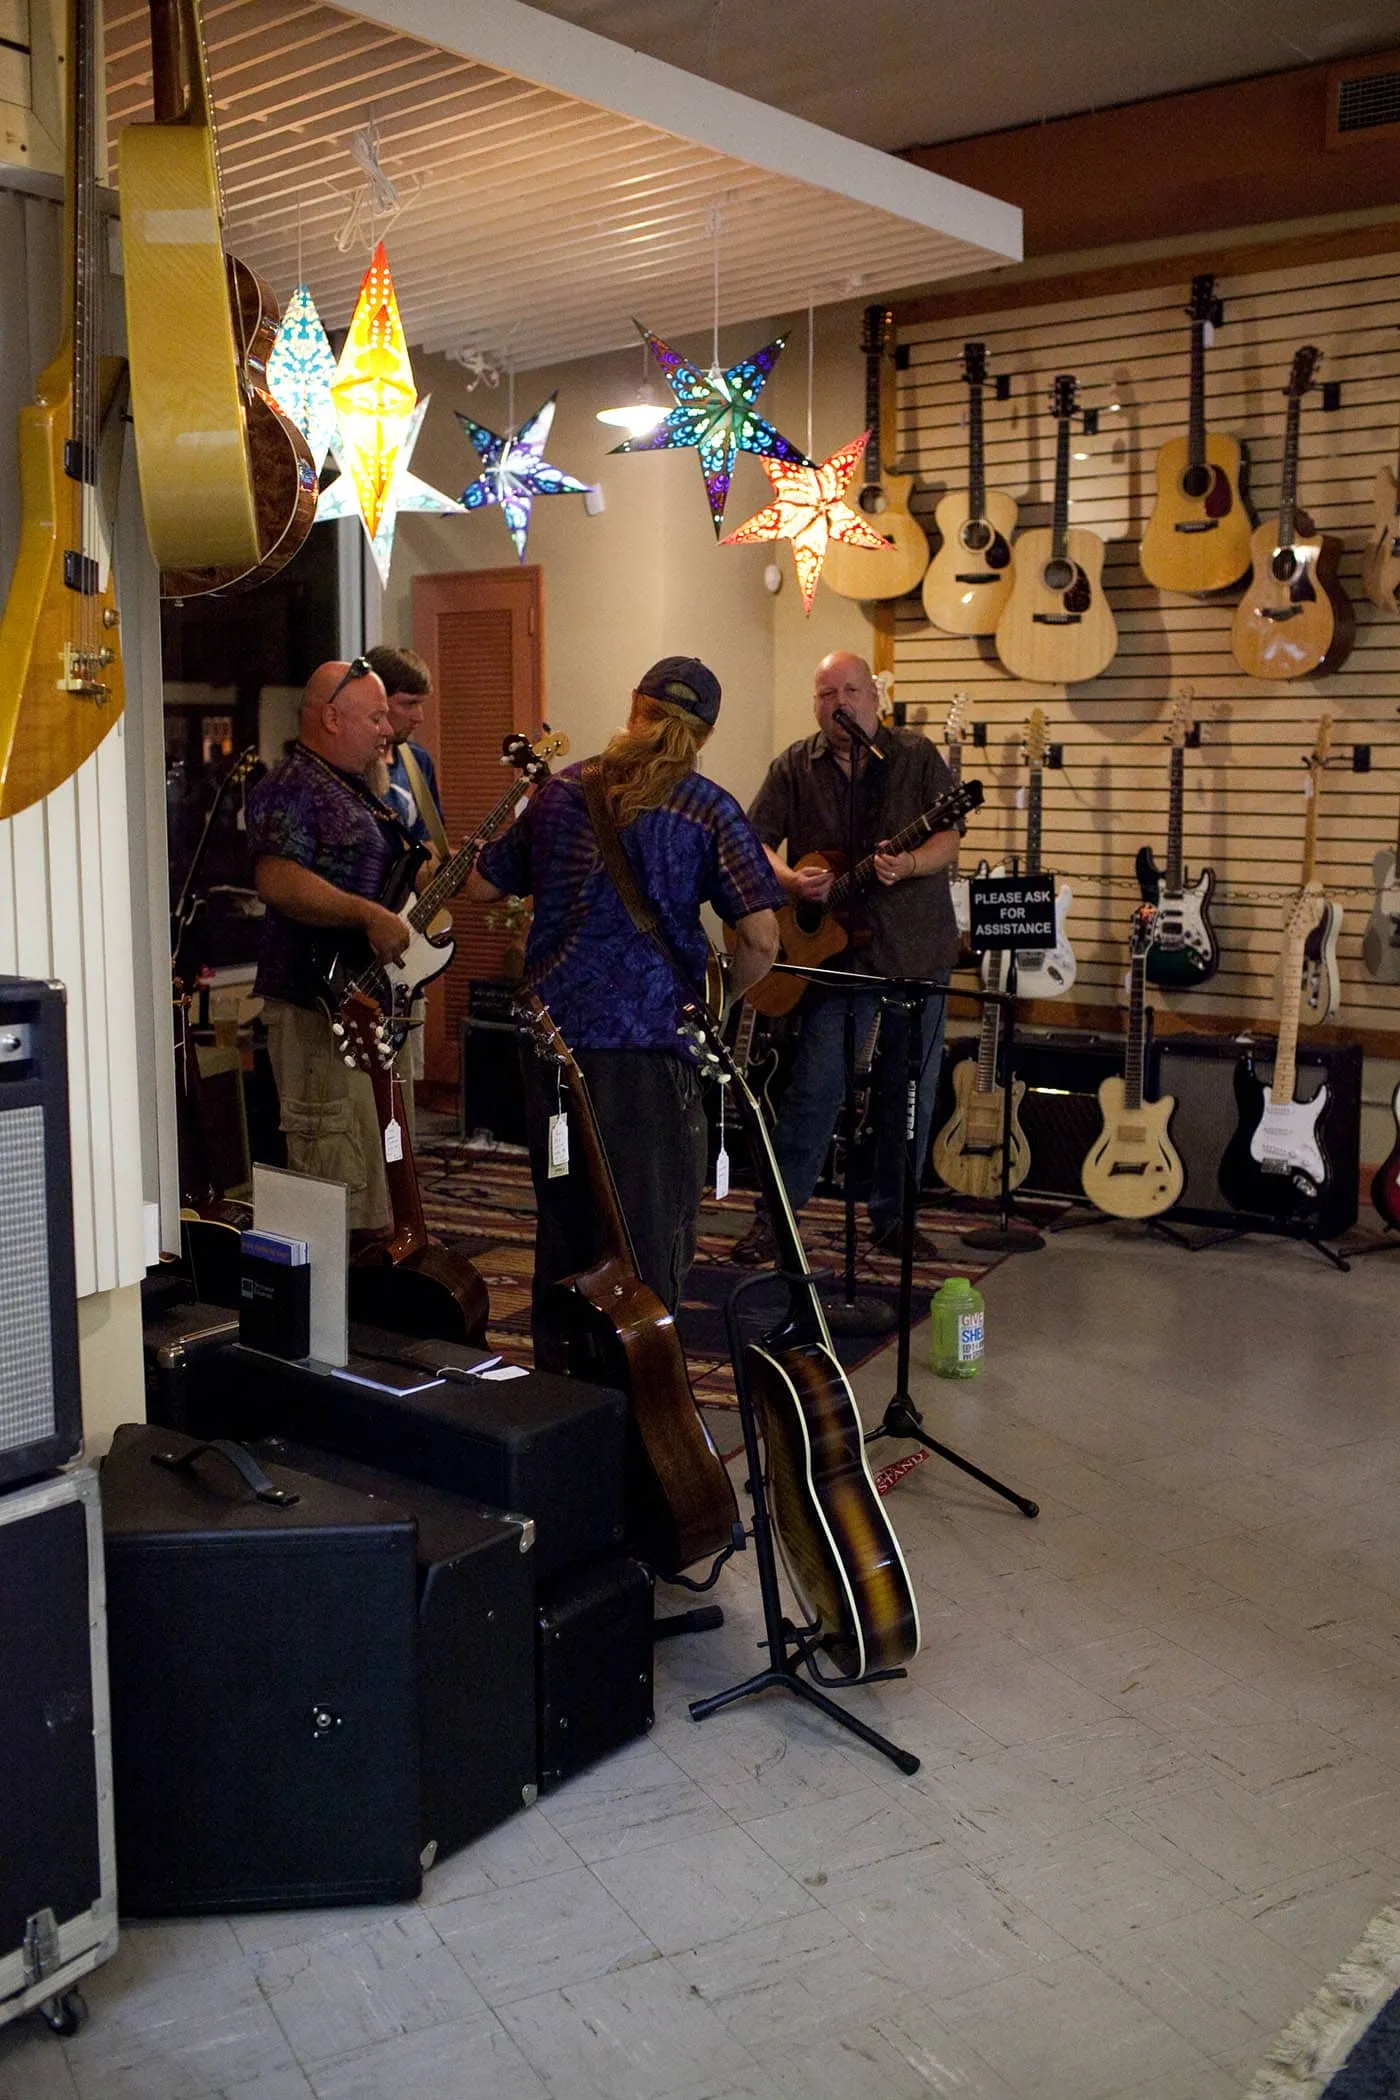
x,y
652,1124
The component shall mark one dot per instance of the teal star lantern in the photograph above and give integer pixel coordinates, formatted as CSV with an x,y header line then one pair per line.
x,y
516,471
405,492
714,413
300,369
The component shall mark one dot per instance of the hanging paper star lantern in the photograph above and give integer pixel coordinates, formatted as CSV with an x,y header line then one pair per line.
x,y
809,512
715,415
515,471
406,492
299,373
373,392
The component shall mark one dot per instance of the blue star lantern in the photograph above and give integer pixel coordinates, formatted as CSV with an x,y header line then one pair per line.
x,y
516,471
715,415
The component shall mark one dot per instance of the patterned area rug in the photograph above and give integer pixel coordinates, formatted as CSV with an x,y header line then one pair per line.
x,y
1345,2043
480,1200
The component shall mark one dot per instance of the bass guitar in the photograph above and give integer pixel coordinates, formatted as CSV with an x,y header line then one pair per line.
x,y
1183,951
1380,944
811,933
1321,984
968,1151
61,682
1132,1169
228,485
411,1283
871,572
1275,1165
1042,973
1197,538
1294,620
837,1543
605,1324
968,582
1055,627
1385,1182
1380,564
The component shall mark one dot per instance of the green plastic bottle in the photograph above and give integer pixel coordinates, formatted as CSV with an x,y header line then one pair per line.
x,y
957,1312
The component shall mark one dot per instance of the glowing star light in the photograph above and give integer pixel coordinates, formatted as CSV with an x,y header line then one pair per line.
x,y
515,471
809,512
715,415
406,492
299,374
373,392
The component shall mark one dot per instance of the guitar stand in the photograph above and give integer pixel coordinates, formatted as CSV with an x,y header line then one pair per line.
x,y
1089,1214
1007,1236
789,1648
1278,1232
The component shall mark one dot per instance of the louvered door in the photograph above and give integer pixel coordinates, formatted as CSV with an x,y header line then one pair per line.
x,y
480,633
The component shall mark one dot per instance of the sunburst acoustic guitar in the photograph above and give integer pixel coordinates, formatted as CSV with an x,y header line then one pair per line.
x,y
1197,538
1056,627
968,582
883,497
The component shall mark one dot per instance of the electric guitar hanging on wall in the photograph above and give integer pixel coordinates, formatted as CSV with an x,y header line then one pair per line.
x,y
61,681
1132,1169
1197,538
1183,951
1055,627
1041,973
1380,945
1275,1165
1380,564
883,498
1321,985
968,582
1294,620
957,884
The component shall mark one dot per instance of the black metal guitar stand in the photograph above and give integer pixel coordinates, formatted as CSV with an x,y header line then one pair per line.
x,y
789,1647
1008,1235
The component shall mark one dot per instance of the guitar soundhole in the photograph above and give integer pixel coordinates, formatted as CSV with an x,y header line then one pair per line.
x,y
976,534
872,499
1284,566
809,917
1196,481
1059,575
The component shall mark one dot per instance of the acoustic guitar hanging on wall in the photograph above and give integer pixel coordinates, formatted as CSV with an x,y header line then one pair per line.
x,y
883,498
1056,627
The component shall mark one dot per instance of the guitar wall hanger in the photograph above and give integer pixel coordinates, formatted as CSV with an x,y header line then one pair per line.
x,y
1331,394
1358,762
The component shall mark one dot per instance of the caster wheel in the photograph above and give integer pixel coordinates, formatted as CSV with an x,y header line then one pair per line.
x,y
66,2013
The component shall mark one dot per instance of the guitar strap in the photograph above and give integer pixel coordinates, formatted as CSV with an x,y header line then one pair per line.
x,y
639,907
427,808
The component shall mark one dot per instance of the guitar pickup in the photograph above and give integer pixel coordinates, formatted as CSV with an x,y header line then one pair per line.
x,y
989,577
80,573
1280,612
1065,619
1197,525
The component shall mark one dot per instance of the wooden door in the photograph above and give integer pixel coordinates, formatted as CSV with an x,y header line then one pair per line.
x,y
480,633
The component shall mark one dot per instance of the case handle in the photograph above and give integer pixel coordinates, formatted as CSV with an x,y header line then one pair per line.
x,y
240,1458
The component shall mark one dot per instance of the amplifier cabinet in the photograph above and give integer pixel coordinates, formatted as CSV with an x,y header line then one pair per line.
x,y
58,1895
493,1093
40,1396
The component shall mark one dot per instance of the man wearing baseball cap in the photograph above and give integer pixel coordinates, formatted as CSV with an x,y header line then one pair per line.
x,y
610,992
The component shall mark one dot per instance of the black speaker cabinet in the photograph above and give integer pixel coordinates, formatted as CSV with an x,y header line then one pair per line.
x,y
493,1096
40,1403
1199,1072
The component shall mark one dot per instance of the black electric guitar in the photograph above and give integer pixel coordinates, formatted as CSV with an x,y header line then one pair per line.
x,y
755,1051
1184,951
836,1541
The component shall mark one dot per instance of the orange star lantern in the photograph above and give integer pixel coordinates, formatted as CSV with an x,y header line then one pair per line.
x,y
373,392
809,512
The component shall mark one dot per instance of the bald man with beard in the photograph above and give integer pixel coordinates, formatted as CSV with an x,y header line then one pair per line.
x,y
322,844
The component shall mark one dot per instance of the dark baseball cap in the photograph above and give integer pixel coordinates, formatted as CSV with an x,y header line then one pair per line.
x,y
685,682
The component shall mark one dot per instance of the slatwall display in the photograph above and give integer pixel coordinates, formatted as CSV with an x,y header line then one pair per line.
x,y
1245,786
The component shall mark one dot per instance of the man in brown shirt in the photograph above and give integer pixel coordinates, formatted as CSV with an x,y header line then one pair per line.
x,y
904,927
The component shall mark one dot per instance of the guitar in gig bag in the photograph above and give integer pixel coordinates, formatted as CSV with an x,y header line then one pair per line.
x,y
837,1542
1132,1169
605,1324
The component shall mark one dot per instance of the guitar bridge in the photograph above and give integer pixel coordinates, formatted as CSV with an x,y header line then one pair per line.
x,y
989,577
1280,612
1197,525
1062,619
80,667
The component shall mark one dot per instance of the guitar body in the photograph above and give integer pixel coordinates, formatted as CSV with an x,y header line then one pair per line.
x,y
1274,1165
1043,973
433,1293
867,572
968,582
48,728
1380,564
605,1325
1198,540
1380,944
1294,620
837,1544
967,1150
1131,1170
1056,628
1322,987
1385,1182
1184,950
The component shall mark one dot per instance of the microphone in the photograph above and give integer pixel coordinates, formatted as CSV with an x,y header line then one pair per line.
x,y
857,735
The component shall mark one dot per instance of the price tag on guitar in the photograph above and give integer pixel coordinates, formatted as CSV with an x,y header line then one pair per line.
x,y
558,1146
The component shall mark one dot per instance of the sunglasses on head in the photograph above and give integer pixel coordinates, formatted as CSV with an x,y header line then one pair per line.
x,y
359,667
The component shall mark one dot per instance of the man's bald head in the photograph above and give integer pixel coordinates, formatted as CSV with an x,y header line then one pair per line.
x,y
843,680
344,715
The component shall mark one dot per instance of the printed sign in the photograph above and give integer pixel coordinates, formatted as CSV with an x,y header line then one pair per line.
x,y
1012,911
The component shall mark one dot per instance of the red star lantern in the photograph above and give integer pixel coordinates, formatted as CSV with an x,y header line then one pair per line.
x,y
809,511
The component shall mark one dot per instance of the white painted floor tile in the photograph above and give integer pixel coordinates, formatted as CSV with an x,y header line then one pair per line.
x,y
183,2035
464,2060
830,1837
513,1943
940,1928
787,1979
702,1888
636,1799
641,2035
367,1985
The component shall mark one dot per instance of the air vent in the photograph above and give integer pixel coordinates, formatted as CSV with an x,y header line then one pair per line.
x,y
1363,103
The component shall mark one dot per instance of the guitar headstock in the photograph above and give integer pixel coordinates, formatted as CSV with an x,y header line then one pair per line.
x,y
874,334
1300,378
541,1031
532,761
953,722
975,364
361,1035
1322,744
1204,304
1037,737
1064,397
698,1028
241,768
1143,927
1183,718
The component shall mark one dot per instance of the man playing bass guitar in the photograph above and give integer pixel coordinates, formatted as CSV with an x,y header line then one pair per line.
x,y
903,928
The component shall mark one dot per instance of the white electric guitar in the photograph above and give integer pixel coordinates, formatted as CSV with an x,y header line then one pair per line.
x,y
1275,1163
1322,985
1042,973
957,884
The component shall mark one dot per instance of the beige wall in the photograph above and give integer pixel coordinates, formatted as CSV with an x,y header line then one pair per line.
x,y
646,578
111,1364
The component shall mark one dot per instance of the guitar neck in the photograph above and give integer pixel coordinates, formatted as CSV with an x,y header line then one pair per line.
x,y
1288,502
874,337
410,1231
1285,1058
1196,426
955,759
616,1239
805,1307
1059,521
82,262
1033,819
1135,1061
453,873
862,874
1174,877
989,1035
743,1036
976,462
1310,824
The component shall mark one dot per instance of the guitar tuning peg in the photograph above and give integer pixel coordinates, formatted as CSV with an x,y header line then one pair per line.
x,y
337,1029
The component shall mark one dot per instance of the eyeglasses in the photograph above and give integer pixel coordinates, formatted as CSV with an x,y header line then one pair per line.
x,y
359,667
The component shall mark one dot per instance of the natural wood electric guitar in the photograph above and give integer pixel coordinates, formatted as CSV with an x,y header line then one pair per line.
x,y
1132,1169
883,498
1197,538
607,1325
228,486
1275,1165
1321,983
1055,627
968,582
1294,620
1380,564
968,1150
1380,945
1183,950
837,1543
61,683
